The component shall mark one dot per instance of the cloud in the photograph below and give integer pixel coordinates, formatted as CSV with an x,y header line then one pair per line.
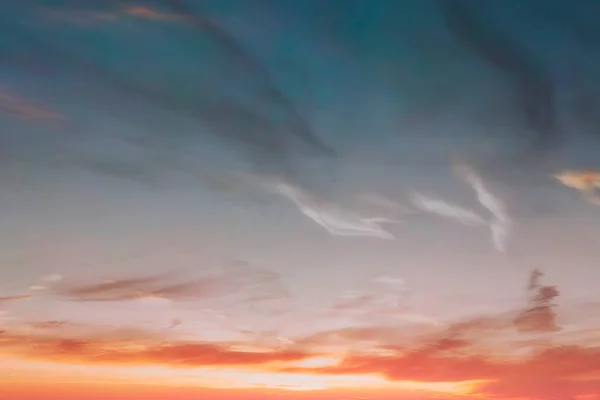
x,y
52,278
152,14
547,372
586,182
509,358
535,90
446,209
539,316
108,14
10,299
297,123
335,219
515,353
15,106
383,299
235,278
501,222
267,127
135,348
464,351
56,325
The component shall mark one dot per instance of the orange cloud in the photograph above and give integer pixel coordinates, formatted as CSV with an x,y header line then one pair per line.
x,y
88,16
130,347
540,369
518,354
493,354
150,14
7,299
18,107
537,369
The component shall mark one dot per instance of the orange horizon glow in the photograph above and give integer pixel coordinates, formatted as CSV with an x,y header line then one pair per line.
x,y
110,359
521,354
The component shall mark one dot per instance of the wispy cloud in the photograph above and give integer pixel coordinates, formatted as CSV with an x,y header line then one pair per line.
x,y
238,278
446,209
52,278
501,222
384,299
15,106
335,219
109,14
10,299
539,316
131,348
152,14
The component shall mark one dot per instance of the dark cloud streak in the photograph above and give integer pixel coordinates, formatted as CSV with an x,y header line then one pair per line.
x,y
300,125
268,143
535,90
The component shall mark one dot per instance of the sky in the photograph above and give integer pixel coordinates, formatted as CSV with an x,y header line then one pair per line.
x,y
299,200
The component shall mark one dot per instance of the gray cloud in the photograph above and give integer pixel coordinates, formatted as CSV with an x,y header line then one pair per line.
x,y
267,127
535,90
539,315
249,284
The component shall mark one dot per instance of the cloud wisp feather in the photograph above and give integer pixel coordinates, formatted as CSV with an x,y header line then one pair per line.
x,y
500,222
337,220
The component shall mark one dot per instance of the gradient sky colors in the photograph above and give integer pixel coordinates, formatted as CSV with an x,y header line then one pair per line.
x,y
299,200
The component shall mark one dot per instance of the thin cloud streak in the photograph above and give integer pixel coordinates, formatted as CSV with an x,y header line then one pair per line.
x,y
337,220
237,278
501,222
445,209
10,299
129,348
15,106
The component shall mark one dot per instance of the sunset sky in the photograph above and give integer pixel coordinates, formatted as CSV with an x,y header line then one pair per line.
x,y
341,199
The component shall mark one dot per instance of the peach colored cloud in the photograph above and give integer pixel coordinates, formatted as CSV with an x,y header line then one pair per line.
x,y
150,13
7,299
90,16
131,347
16,106
241,279
547,373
